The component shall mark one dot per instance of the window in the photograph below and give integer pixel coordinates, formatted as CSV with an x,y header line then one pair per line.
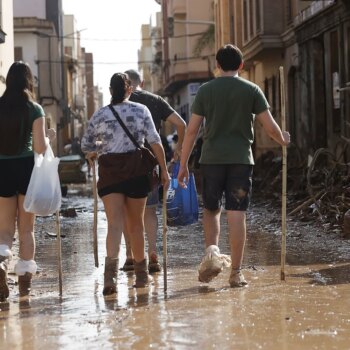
x,y
334,65
258,15
251,18
245,20
18,53
289,13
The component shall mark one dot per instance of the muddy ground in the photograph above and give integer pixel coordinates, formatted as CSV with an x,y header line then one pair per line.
x,y
310,310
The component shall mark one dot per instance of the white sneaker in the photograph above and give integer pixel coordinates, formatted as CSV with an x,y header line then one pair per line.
x,y
212,264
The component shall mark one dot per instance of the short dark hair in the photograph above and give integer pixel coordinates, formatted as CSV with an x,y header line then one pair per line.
x,y
134,76
229,57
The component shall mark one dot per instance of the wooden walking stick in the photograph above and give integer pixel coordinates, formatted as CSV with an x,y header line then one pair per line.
x,y
94,230
59,248
284,176
165,254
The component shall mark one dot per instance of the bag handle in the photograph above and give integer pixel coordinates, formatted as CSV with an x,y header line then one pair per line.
x,y
131,137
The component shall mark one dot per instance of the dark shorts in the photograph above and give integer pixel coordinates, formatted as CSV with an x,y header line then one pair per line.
x,y
233,180
15,176
137,187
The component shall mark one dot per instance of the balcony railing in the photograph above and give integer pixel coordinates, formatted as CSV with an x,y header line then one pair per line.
x,y
315,7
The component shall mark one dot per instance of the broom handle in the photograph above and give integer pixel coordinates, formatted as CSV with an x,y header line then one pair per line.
x,y
94,230
59,248
165,254
284,176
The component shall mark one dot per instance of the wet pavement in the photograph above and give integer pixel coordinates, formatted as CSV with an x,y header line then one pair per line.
x,y
310,310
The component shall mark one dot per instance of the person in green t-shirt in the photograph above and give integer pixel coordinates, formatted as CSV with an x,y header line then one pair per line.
x,y
230,105
22,130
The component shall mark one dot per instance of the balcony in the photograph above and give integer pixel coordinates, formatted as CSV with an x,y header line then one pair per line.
x,y
260,44
178,7
312,10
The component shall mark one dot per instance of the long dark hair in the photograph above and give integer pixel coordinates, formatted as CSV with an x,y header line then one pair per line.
x,y
119,84
14,109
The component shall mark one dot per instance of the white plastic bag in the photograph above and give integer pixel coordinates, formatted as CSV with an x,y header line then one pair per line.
x,y
44,195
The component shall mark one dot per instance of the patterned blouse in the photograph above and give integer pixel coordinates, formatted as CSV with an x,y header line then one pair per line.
x,y
104,127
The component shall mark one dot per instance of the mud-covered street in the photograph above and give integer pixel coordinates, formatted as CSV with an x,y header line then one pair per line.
x,y
310,310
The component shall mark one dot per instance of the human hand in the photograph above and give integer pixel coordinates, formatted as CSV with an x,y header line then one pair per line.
x,y
51,134
286,138
91,157
183,175
165,179
177,154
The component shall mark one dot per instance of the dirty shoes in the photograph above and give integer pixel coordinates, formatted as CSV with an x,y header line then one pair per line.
x,y
237,279
143,279
4,288
110,276
212,264
128,265
25,284
153,265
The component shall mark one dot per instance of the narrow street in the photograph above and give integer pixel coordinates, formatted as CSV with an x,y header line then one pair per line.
x,y
310,310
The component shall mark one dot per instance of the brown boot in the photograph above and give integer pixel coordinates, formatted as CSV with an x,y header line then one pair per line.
x,y
110,276
143,279
4,288
25,284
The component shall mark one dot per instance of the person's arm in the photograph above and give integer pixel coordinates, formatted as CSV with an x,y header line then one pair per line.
x,y
272,128
187,147
158,151
40,140
180,126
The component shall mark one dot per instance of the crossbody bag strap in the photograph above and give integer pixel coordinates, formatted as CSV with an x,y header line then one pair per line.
x,y
131,137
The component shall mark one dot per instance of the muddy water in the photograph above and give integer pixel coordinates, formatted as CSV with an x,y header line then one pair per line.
x,y
310,310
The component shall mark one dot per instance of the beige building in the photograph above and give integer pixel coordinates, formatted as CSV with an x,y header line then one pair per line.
x,y
145,56
36,42
307,38
188,50
6,41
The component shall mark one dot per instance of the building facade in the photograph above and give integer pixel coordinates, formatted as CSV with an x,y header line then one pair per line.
x,y
310,39
6,41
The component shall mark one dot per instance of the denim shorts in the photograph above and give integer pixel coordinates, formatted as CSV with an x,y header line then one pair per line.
x,y
232,180
15,175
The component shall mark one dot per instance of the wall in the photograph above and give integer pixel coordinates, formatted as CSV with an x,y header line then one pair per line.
x,y
6,49
29,8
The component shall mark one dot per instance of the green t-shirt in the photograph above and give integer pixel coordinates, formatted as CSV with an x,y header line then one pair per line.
x,y
229,105
35,112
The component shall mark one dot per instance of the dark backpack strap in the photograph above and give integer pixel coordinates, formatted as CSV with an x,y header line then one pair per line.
x,y
131,137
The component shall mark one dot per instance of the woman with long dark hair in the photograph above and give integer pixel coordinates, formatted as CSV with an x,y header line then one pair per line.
x,y
22,131
124,201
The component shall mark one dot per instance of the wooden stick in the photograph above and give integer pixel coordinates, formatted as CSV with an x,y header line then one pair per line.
x,y
59,248
94,230
284,177
307,202
165,254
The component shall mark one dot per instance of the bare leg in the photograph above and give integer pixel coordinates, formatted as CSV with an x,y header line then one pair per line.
x,y
135,209
25,232
151,228
237,229
8,215
114,207
211,225
8,212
